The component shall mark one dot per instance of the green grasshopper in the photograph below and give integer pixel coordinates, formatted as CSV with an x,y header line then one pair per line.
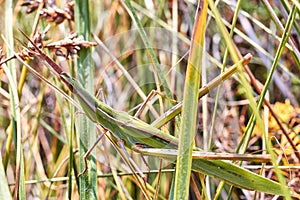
x,y
134,132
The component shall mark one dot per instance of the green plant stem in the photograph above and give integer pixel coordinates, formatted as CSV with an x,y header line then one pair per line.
x,y
280,49
251,123
226,54
85,128
190,105
14,102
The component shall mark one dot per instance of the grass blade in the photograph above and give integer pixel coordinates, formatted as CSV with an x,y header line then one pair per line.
x,y
4,189
85,128
15,125
190,105
280,49
255,108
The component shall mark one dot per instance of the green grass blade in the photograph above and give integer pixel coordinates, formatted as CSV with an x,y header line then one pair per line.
x,y
297,4
4,189
280,49
85,129
190,105
294,50
70,134
14,102
230,173
225,58
255,108
237,176
16,127
251,123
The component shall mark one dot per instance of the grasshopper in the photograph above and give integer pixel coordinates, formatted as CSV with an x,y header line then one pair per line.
x,y
134,132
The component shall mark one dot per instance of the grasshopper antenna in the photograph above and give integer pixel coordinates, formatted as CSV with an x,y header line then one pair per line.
x,y
52,64
41,77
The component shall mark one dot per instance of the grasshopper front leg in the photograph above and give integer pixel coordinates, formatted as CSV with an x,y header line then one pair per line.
x,y
87,154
